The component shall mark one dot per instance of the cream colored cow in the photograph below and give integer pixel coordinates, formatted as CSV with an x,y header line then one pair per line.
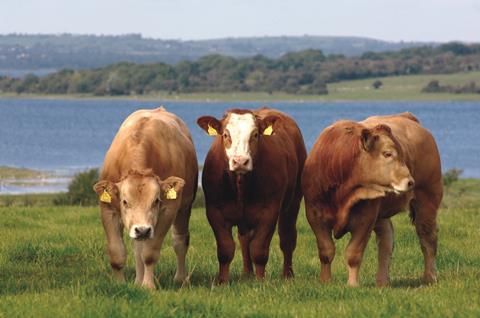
x,y
147,184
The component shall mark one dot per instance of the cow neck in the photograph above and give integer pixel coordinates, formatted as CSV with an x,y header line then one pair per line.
x,y
240,187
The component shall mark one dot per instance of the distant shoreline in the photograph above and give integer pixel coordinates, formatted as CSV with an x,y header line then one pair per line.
x,y
393,88
251,97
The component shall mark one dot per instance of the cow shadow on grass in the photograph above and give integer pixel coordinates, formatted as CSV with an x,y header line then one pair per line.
x,y
407,283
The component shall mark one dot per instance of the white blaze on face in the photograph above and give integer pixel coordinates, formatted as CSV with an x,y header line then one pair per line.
x,y
240,128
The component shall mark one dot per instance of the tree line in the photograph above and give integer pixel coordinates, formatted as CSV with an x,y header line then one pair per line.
x,y
305,72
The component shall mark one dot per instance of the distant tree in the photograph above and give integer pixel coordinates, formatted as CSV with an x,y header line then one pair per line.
x,y
377,84
433,87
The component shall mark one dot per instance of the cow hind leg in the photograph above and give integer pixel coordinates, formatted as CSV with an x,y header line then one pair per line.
x,y
245,240
325,244
426,227
287,231
384,233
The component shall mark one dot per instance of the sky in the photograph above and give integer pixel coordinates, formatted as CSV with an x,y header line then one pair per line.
x,y
391,20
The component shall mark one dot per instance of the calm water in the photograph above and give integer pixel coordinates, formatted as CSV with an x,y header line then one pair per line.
x,y
66,136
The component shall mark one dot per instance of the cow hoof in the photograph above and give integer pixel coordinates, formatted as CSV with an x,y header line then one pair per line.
x,y
383,283
288,274
221,281
181,279
430,279
325,280
148,285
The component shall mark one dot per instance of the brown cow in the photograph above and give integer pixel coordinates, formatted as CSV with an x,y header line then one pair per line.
x,y
251,179
358,175
148,182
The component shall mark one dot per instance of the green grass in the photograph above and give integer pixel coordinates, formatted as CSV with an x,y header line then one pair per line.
x,y
53,264
394,88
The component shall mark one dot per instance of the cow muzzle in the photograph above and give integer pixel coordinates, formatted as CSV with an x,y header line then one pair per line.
x,y
405,185
241,164
141,232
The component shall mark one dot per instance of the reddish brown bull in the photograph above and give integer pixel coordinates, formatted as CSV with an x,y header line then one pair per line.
x,y
358,175
251,179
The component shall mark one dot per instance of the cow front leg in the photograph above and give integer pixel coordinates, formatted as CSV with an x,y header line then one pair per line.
x,y
150,255
384,232
362,221
325,244
225,243
260,247
115,246
139,265
247,260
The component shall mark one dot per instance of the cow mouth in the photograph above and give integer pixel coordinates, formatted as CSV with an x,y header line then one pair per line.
x,y
398,190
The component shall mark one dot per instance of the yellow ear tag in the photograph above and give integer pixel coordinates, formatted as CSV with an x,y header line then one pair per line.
x,y
268,131
171,194
105,197
212,131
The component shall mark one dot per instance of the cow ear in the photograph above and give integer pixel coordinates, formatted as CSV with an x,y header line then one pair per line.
x,y
384,128
211,125
171,187
106,190
268,124
368,139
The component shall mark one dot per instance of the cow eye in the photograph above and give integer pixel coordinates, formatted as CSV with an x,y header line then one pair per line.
x,y
124,202
255,135
156,202
387,154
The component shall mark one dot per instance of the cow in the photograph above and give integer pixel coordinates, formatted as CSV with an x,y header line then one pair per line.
x,y
147,184
358,175
251,179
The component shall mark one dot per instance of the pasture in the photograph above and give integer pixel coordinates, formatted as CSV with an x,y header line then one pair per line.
x,y
53,263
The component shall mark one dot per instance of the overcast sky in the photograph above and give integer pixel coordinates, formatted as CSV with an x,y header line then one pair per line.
x,y
394,20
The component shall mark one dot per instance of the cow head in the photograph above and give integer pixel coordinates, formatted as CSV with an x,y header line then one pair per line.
x,y
241,132
382,161
140,198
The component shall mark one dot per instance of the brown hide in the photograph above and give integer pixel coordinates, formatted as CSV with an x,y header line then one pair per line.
x,y
254,201
328,180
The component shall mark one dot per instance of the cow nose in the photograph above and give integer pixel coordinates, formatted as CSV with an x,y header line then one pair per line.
x,y
142,232
410,184
240,161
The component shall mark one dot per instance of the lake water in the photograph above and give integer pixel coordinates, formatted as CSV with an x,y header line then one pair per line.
x,y
67,136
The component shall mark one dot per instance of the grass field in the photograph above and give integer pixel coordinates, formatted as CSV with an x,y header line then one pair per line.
x,y
53,264
394,88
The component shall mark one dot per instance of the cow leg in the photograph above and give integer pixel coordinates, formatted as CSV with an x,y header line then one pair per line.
x,y
287,231
260,246
116,248
325,244
139,265
426,228
245,240
150,255
225,242
151,247
181,240
361,225
384,232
